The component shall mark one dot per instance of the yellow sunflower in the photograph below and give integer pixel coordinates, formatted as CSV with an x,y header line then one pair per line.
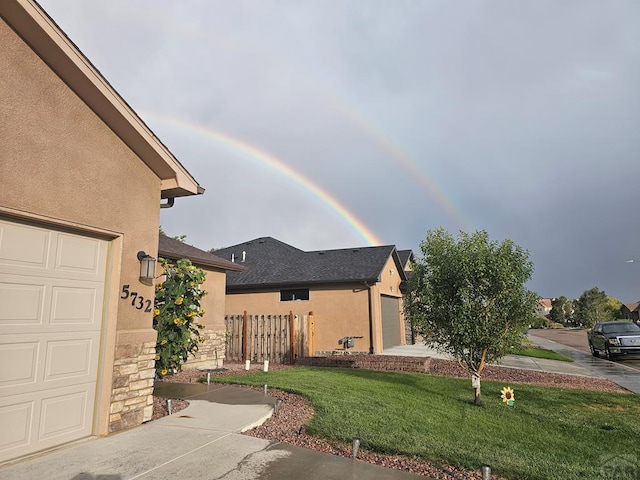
x,y
179,300
163,372
507,396
156,312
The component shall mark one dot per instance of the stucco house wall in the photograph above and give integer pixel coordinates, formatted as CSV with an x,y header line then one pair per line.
x,y
64,168
339,311
211,352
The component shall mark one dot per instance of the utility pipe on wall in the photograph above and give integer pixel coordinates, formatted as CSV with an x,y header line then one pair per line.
x,y
371,349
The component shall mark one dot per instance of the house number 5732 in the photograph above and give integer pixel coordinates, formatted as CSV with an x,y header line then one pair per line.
x,y
137,301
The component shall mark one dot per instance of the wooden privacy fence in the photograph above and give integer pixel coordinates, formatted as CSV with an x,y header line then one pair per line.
x,y
277,338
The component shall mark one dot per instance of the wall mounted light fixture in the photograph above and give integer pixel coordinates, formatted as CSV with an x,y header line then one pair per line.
x,y
147,266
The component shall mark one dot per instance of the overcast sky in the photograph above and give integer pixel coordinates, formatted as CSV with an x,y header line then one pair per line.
x,y
333,124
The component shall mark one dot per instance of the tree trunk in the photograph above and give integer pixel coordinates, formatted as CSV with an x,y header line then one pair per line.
x,y
475,382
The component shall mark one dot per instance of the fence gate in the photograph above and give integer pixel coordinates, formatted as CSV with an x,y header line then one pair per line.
x,y
277,338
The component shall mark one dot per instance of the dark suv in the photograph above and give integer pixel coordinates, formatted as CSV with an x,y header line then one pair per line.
x,y
614,338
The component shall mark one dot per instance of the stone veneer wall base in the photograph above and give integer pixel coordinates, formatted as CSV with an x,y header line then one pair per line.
x,y
132,387
211,352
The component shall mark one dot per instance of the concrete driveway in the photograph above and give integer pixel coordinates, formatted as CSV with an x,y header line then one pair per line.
x,y
200,442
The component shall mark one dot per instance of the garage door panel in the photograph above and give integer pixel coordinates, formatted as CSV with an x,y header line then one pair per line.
x,y
22,303
68,358
48,302
390,321
75,305
26,250
58,360
18,364
16,420
65,413
79,255
24,246
41,420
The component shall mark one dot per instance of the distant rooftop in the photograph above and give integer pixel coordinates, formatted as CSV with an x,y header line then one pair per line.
x,y
271,262
173,249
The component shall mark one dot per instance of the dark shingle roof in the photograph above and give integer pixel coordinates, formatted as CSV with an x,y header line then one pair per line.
x,y
271,262
405,256
173,249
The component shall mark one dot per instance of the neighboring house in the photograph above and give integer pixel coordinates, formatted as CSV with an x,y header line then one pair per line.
x,y
631,311
351,292
407,259
544,306
82,183
212,351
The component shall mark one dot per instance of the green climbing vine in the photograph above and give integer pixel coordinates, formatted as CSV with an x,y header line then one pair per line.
x,y
177,313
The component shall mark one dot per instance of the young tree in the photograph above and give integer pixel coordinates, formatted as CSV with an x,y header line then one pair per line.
x,y
595,306
561,310
612,308
469,297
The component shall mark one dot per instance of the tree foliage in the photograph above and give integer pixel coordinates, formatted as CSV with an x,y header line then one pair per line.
x,y
562,310
176,314
595,306
469,298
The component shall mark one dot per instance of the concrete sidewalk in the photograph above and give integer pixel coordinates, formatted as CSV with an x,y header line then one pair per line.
x,y
510,361
584,364
199,442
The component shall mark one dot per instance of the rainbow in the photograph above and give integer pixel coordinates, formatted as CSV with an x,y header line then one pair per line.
x,y
393,150
403,159
242,149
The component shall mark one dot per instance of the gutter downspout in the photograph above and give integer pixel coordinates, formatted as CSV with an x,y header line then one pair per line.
x,y
371,349
169,204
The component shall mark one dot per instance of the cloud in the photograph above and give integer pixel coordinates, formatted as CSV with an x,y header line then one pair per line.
x,y
519,116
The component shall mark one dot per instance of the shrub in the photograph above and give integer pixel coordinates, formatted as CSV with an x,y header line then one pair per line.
x,y
540,322
176,314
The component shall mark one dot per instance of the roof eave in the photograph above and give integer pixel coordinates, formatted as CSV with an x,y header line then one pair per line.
x,y
257,286
222,265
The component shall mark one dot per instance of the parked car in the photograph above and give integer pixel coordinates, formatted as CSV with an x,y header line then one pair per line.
x,y
614,338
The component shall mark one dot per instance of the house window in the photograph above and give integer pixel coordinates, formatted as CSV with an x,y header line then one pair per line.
x,y
294,294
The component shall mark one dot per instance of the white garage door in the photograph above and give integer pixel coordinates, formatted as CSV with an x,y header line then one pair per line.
x,y
51,301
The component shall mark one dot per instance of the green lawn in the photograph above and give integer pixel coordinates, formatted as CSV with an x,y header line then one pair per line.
x,y
539,352
550,433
